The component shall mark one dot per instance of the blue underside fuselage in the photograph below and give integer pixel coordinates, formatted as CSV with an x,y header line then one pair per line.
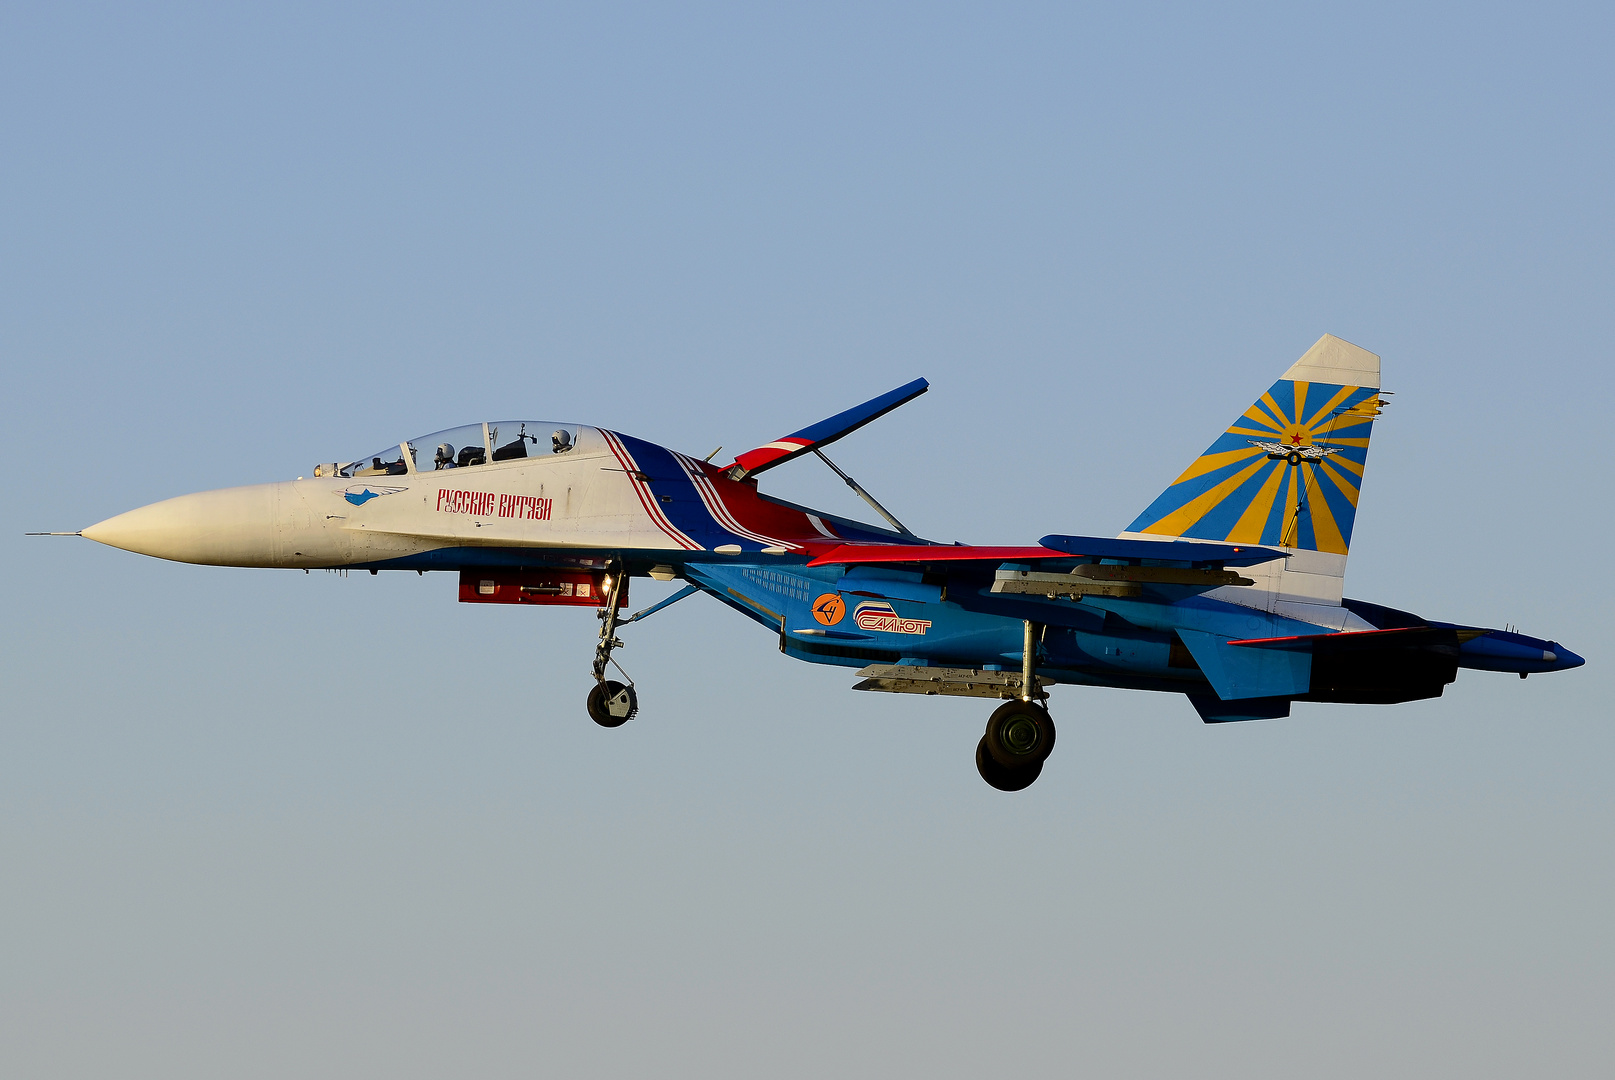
x,y
1171,639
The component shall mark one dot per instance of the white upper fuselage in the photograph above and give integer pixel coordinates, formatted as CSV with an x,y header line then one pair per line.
x,y
596,495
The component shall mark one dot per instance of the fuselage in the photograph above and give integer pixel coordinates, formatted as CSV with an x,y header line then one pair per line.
x,y
593,498
606,495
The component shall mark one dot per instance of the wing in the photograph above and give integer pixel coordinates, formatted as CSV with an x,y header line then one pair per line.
x,y
824,432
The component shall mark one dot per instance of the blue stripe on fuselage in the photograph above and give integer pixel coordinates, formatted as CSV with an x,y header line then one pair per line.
x,y
677,498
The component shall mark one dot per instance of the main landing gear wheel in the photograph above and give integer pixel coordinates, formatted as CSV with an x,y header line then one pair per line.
x,y
1019,734
611,704
1001,778
1020,737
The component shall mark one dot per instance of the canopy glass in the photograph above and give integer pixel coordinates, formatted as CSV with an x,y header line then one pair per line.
x,y
466,447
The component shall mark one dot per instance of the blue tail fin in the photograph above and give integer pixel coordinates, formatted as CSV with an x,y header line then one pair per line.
x,y
1287,472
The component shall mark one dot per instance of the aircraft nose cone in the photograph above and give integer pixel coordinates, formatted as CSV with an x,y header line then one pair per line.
x,y
233,527
1565,658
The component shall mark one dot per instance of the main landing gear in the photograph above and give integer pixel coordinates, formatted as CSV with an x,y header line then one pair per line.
x,y
611,703
1020,734
1019,738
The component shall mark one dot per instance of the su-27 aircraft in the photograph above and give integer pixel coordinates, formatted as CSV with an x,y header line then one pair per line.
x,y
1226,589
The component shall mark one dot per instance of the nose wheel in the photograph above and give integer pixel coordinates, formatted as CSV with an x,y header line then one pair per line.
x,y
611,703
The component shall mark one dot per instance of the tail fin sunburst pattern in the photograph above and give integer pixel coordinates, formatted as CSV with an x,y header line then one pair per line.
x,y
1288,471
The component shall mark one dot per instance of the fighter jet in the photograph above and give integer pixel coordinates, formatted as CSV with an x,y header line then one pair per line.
x,y
1227,589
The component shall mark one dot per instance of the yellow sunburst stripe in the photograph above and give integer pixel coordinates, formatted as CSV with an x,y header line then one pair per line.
x,y
1345,392
1347,488
1284,417
1325,531
1260,416
1349,464
1248,529
1336,441
1290,530
1208,463
1185,516
1269,435
1300,399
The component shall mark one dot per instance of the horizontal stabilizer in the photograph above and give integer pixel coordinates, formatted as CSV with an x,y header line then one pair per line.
x,y
825,432
1184,551
1064,548
1362,639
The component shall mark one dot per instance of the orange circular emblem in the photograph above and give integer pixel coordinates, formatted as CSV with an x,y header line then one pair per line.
x,y
829,608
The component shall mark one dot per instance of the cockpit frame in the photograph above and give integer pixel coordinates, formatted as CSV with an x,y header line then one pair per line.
x,y
472,445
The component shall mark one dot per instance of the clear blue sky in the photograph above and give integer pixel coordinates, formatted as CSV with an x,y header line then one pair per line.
x,y
263,824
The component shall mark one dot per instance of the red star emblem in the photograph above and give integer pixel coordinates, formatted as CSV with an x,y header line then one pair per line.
x,y
1295,440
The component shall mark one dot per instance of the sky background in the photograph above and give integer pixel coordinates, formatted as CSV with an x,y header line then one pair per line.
x,y
259,823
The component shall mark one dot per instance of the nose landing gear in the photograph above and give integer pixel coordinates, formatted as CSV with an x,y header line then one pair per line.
x,y
611,703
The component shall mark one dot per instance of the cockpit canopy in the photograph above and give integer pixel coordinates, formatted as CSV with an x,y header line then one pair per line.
x,y
466,447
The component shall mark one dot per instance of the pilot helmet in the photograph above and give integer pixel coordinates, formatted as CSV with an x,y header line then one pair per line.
x,y
561,440
444,458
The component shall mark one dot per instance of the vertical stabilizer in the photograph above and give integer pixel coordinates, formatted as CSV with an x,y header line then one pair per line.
x,y
1285,474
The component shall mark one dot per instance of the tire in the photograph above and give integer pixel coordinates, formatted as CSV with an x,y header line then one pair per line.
x,y
611,704
1019,733
1016,779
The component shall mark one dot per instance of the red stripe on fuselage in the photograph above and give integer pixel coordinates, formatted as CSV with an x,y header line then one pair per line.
x,y
647,498
719,508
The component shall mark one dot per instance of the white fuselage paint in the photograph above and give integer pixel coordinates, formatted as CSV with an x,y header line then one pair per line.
x,y
581,499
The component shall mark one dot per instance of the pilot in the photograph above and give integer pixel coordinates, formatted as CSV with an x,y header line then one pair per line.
x,y
560,440
444,458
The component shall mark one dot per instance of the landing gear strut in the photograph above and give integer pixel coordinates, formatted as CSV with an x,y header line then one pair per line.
x,y
1020,734
611,703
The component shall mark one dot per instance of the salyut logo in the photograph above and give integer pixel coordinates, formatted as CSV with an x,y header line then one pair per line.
x,y
879,615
